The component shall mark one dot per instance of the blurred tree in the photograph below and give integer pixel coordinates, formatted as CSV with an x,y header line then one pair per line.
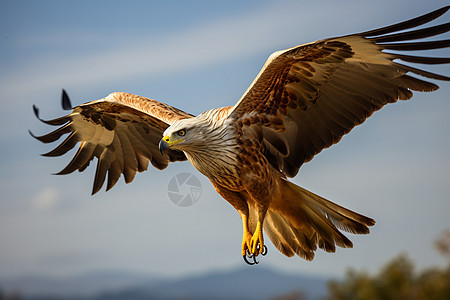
x,y
10,296
397,280
443,244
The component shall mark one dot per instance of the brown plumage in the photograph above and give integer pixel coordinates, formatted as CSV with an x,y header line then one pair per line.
x,y
303,100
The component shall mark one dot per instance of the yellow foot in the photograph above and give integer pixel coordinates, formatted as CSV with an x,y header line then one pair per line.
x,y
246,242
252,246
257,242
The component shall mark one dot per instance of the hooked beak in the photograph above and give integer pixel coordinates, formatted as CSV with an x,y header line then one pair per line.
x,y
164,143
167,143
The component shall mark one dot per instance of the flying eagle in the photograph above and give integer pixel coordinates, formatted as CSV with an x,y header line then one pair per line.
x,y
303,100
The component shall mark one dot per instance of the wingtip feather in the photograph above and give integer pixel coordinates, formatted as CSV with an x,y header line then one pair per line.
x,y
65,101
36,111
420,20
32,134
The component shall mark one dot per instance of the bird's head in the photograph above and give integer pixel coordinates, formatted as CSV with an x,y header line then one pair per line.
x,y
182,135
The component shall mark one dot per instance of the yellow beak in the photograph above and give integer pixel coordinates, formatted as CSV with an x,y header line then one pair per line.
x,y
166,143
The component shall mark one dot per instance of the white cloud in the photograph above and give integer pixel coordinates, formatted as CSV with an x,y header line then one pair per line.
x,y
46,199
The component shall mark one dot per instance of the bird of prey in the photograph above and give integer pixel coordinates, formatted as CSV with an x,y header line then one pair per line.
x,y
303,100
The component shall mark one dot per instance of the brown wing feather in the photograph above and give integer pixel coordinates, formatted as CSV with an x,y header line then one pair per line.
x,y
311,95
121,130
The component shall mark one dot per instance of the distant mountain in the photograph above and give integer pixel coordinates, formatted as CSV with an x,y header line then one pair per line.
x,y
86,285
245,284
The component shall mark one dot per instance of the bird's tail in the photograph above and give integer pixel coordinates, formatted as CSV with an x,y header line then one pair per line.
x,y
299,221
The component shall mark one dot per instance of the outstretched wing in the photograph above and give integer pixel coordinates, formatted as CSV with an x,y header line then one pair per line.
x,y
121,130
307,97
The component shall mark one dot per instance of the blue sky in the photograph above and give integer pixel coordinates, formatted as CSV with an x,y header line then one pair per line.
x,y
197,55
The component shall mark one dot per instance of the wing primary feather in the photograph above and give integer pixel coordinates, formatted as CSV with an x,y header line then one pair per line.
x,y
103,164
55,122
117,151
65,101
422,59
413,34
129,155
114,172
83,155
54,135
416,45
36,111
65,146
96,152
422,72
416,84
407,24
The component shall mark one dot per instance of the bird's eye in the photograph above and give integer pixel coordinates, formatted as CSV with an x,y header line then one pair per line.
x,y
181,132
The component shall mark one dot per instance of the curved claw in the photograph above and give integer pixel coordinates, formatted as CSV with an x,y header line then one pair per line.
x,y
249,262
250,255
264,252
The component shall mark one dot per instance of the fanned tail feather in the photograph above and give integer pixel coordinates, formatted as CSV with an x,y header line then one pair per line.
x,y
301,220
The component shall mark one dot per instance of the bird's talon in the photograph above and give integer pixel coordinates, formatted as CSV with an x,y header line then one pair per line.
x,y
264,252
252,245
254,259
248,262
248,253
